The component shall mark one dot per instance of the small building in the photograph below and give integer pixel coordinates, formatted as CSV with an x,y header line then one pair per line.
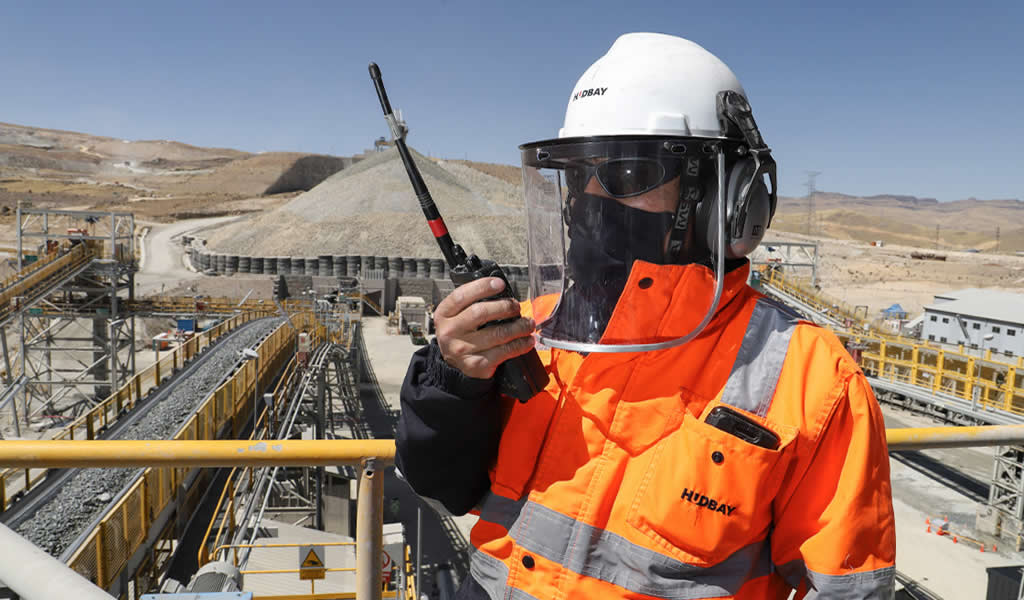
x,y
894,317
894,312
979,319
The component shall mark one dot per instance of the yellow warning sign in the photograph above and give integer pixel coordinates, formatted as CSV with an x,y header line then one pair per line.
x,y
311,562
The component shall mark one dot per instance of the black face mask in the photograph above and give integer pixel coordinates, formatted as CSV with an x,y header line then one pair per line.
x,y
605,237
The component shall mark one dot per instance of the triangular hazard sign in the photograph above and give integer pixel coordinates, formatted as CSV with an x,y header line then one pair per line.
x,y
312,561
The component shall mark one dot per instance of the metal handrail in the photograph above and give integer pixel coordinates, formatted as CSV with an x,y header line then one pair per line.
x,y
125,397
236,453
313,453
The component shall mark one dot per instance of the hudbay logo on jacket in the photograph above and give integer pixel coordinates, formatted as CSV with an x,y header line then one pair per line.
x,y
711,504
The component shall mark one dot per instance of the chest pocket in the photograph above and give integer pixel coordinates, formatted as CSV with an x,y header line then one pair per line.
x,y
706,493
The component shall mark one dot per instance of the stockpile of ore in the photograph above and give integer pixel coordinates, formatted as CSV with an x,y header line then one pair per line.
x,y
370,209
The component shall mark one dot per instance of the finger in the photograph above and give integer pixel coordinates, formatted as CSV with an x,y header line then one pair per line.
x,y
494,336
477,315
468,293
490,360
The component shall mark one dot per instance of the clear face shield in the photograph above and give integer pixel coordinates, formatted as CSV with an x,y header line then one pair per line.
x,y
602,209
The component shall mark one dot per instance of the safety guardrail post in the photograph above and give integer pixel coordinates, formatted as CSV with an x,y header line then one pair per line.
x,y
940,358
913,365
881,358
1009,388
969,393
101,567
369,535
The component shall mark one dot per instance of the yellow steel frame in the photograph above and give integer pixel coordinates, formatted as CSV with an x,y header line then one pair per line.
x,y
105,413
125,527
917,362
40,275
121,532
994,384
820,302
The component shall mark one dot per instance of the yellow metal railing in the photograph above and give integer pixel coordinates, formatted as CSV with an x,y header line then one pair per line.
x,y
989,383
125,398
32,267
227,526
820,302
169,456
106,550
40,275
385,580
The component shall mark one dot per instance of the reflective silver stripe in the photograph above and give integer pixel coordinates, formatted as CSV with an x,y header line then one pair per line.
x,y
518,594
879,584
758,364
603,555
490,573
500,510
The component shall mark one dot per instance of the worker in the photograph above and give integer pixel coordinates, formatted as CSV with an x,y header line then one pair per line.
x,y
695,439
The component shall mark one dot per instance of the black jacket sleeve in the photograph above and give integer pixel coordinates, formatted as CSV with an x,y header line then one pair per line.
x,y
448,431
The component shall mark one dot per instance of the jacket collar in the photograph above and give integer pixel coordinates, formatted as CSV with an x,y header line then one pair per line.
x,y
664,302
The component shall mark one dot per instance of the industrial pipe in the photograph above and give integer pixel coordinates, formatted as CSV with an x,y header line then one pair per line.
x,y
922,438
369,532
35,575
189,453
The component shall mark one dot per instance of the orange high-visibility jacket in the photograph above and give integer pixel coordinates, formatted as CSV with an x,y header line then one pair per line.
x,y
610,484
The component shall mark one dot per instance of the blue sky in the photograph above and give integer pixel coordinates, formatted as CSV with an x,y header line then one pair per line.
x,y
920,98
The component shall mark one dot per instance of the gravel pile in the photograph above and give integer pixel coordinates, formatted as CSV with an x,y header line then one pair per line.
x,y
89,491
370,209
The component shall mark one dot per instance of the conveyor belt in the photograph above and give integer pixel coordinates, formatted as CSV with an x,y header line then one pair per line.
x,y
44,492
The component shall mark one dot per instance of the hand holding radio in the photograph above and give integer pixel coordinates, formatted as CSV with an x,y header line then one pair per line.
x,y
465,343
522,374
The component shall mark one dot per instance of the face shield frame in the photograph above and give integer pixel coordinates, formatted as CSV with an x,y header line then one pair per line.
x,y
545,185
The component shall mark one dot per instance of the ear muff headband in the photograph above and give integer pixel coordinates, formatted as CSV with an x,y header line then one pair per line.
x,y
747,197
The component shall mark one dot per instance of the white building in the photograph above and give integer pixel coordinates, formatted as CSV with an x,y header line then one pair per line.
x,y
979,319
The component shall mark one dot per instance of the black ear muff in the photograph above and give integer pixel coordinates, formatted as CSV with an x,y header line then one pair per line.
x,y
745,228
749,210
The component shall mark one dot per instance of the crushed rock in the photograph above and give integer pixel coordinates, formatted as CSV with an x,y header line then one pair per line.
x,y
370,209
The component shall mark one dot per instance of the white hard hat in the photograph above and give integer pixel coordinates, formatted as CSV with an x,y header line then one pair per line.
x,y
650,84
656,110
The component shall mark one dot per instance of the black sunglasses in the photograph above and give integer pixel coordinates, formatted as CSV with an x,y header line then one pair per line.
x,y
623,177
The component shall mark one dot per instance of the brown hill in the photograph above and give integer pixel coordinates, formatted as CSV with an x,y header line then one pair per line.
x,y
961,224
153,178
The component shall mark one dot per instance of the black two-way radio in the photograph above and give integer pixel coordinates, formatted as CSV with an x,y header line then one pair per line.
x,y
521,377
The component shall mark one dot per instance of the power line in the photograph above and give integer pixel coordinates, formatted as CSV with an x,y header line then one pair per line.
x,y
811,190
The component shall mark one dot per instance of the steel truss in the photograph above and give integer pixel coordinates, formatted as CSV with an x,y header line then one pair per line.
x,y
76,341
1006,491
789,255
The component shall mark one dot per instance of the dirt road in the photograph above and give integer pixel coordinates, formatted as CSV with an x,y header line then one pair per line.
x,y
163,266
